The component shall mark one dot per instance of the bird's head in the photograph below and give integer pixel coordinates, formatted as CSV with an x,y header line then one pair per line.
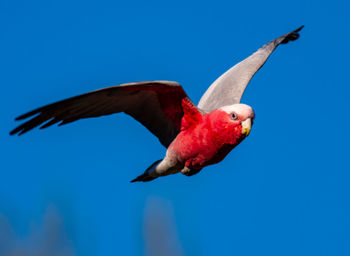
x,y
241,114
231,124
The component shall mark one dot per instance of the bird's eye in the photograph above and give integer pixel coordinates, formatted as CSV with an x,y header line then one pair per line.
x,y
234,116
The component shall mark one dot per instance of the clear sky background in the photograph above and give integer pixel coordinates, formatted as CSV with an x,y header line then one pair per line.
x,y
283,191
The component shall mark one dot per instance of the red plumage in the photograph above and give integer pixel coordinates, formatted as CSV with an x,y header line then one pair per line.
x,y
204,138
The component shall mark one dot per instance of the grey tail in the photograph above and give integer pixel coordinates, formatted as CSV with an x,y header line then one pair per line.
x,y
145,176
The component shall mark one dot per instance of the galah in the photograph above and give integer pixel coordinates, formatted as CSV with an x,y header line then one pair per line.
x,y
195,136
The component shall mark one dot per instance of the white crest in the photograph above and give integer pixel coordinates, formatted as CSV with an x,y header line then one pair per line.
x,y
242,110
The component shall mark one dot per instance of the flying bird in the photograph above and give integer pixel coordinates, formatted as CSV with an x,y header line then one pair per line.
x,y
195,136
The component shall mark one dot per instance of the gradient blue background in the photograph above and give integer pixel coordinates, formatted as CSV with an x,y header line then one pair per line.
x,y
283,191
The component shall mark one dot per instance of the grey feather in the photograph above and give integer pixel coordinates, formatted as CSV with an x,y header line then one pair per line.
x,y
228,89
155,104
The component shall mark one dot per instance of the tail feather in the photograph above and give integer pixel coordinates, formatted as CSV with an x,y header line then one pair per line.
x,y
143,177
146,175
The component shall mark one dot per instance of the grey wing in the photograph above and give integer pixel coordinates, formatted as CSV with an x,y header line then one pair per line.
x,y
228,89
155,104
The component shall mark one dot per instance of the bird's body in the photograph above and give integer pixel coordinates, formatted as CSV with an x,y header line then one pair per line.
x,y
194,136
204,139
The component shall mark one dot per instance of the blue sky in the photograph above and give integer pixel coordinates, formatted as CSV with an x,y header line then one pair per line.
x,y
283,191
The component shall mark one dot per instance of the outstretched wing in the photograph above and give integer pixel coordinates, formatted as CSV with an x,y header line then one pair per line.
x,y
229,87
155,104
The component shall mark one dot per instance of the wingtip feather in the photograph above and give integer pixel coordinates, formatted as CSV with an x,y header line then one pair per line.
x,y
26,115
292,36
300,28
15,131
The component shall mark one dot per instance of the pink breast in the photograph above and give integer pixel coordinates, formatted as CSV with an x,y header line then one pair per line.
x,y
206,143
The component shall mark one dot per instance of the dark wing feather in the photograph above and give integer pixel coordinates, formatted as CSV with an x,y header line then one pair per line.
x,y
228,89
155,104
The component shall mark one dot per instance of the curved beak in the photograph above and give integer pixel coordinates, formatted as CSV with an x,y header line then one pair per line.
x,y
246,126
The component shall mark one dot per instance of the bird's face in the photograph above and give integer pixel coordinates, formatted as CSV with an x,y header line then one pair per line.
x,y
240,114
231,124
